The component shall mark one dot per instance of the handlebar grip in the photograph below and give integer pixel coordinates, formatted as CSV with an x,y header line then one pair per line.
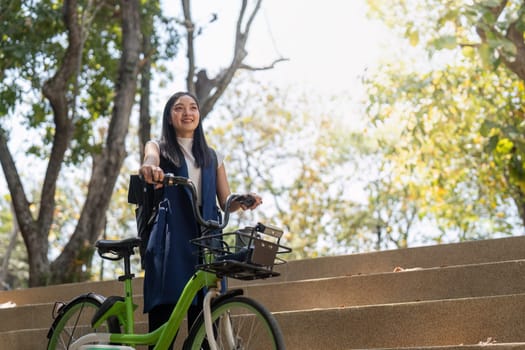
x,y
172,180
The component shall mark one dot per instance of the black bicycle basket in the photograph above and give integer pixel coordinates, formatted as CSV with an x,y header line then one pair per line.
x,y
246,254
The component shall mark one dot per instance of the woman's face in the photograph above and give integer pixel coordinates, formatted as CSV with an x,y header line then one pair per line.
x,y
185,116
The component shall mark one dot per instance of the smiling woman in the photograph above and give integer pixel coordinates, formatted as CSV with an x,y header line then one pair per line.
x,y
185,116
170,257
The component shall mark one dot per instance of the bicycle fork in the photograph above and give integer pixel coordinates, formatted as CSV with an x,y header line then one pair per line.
x,y
224,323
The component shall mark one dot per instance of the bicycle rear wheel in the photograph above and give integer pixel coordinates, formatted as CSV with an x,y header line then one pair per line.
x,y
74,321
239,323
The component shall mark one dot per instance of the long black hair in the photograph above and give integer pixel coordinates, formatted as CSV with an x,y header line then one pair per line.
x,y
169,147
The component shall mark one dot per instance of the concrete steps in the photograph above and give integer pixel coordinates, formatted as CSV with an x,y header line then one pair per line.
x,y
457,296
415,324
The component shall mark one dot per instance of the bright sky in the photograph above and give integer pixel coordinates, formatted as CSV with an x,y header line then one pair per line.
x,y
329,43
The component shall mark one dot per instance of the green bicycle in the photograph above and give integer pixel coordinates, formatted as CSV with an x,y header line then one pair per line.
x,y
228,320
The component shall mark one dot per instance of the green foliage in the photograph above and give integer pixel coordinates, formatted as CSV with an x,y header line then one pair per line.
x,y
28,30
33,41
441,144
461,130
33,45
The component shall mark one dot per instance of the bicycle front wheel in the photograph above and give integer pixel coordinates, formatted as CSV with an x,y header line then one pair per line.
x,y
239,323
74,321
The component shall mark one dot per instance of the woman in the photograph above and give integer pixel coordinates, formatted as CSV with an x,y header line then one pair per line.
x,y
183,151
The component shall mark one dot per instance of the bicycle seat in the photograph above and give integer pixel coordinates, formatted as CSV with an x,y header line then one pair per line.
x,y
117,249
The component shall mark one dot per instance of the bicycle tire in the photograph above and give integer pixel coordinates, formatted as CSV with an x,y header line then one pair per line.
x,y
254,327
74,321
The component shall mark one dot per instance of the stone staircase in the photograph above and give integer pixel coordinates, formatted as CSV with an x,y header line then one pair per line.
x,y
468,295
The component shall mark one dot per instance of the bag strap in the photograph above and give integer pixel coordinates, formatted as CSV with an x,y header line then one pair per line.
x,y
136,190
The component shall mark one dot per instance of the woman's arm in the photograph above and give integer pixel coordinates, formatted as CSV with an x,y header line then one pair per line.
x,y
150,169
223,191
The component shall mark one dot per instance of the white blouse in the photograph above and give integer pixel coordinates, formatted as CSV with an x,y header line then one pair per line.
x,y
194,172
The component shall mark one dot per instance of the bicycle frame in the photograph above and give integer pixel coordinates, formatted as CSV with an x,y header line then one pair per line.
x,y
208,276
164,335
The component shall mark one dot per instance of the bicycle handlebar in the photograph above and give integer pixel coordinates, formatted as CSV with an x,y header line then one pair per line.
x,y
172,180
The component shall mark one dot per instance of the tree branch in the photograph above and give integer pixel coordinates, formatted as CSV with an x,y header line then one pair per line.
x,y
209,90
56,91
223,79
190,52
16,189
271,66
517,63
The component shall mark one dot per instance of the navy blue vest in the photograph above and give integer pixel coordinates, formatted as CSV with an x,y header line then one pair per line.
x,y
170,258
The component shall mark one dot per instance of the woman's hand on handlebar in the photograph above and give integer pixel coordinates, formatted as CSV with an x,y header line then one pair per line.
x,y
152,174
248,201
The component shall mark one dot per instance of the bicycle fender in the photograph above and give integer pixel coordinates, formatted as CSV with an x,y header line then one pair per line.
x,y
61,307
229,294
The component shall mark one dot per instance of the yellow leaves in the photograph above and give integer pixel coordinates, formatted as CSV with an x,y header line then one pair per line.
x,y
239,139
440,193
521,184
504,146
468,52
478,139
520,85
387,111
219,131
413,38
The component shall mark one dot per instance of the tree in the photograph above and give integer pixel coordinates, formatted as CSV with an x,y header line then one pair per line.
x,y
461,136
62,92
85,58
209,90
160,41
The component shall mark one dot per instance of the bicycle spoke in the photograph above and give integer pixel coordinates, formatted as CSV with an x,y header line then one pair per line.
x,y
240,324
73,322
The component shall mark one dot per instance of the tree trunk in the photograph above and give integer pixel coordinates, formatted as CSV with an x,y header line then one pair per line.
x,y
209,90
35,231
107,164
145,91
60,91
